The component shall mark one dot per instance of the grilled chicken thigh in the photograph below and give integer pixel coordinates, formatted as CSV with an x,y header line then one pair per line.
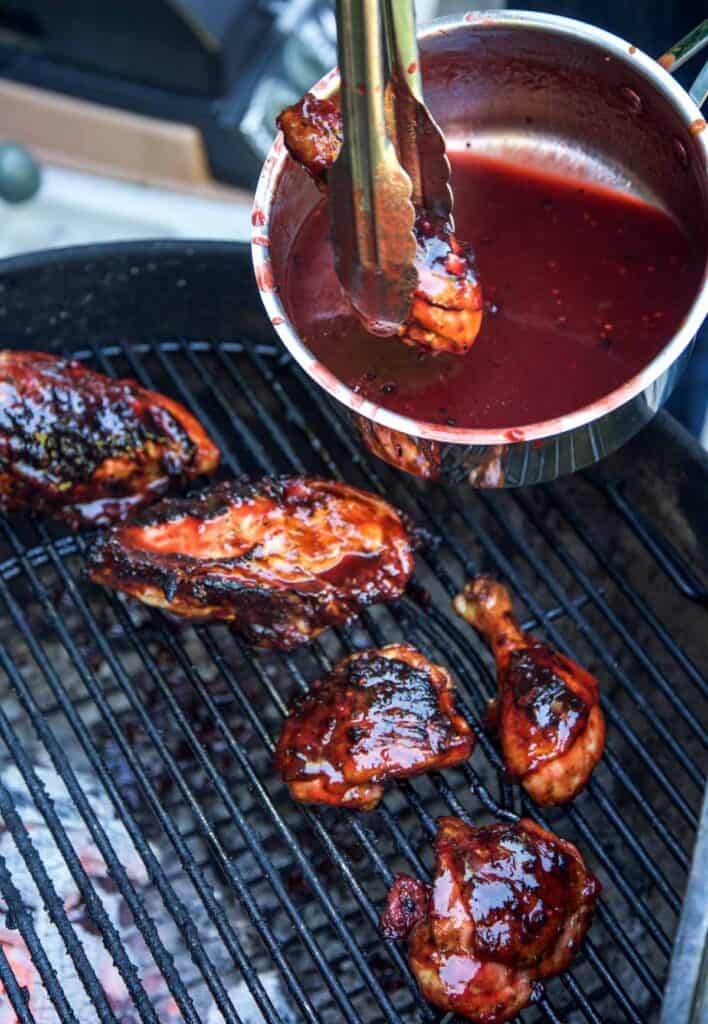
x,y
447,304
510,905
281,559
380,714
548,717
88,448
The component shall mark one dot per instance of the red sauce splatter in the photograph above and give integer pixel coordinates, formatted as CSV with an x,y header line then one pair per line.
x,y
514,435
277,321
559,259
261,240
632,50
412,68
264,278
697,126
258,217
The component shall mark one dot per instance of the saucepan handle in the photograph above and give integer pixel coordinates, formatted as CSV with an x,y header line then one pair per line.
x,y
699,90
682,51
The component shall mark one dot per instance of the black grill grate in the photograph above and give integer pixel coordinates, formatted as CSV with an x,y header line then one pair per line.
x,y
155,870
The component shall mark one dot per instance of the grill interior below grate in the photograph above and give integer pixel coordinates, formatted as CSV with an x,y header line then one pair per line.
x,y
151,866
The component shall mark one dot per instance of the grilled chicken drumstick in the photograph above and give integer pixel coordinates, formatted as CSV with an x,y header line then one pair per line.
x,y
88,448
281,559
509,905
548,717
381,714
447,304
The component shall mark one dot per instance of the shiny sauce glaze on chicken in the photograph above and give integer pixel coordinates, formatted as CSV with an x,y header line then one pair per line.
x,y
380,714
548,718
89,449
509,906
446,313
279,558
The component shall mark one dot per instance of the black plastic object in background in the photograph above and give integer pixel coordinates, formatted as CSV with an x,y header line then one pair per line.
x,y
193,47
187,61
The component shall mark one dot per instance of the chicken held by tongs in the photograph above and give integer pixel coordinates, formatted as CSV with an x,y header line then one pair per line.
x,y
446,313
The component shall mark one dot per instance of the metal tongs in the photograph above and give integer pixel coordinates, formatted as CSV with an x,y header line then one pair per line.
x,y
392,163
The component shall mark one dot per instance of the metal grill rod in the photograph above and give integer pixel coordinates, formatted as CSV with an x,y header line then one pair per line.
x,y
25,925
13,990
682,580
94,906
638,602
54,907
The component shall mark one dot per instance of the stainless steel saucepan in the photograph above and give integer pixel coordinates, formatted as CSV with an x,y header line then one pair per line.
x,y
543,90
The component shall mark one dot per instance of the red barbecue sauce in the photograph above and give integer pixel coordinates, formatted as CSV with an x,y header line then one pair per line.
x,y
583,286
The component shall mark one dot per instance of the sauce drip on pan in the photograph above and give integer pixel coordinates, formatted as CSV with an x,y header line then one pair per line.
x,y
583,286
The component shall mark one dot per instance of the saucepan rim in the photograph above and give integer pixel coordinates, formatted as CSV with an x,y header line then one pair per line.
x,y
260,243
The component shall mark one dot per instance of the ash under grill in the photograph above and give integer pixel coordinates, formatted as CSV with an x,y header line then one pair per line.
x,y
151,866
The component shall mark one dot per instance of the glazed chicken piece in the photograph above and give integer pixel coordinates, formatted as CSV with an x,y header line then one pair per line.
x,y
509,906
312,129
281,559
446,314
548,717
87,448
379,715
415,455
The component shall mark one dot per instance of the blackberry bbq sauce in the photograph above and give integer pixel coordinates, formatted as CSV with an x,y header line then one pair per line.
x,y
583,286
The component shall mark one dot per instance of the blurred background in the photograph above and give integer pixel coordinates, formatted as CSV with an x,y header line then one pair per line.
x,y
131,119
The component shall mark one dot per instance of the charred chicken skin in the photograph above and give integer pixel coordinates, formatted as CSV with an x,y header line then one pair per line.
x,y
379,715
509,906
548,717
87,448
446,314
281,559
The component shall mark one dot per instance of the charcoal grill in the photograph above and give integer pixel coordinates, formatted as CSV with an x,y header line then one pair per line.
x,y
151,867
